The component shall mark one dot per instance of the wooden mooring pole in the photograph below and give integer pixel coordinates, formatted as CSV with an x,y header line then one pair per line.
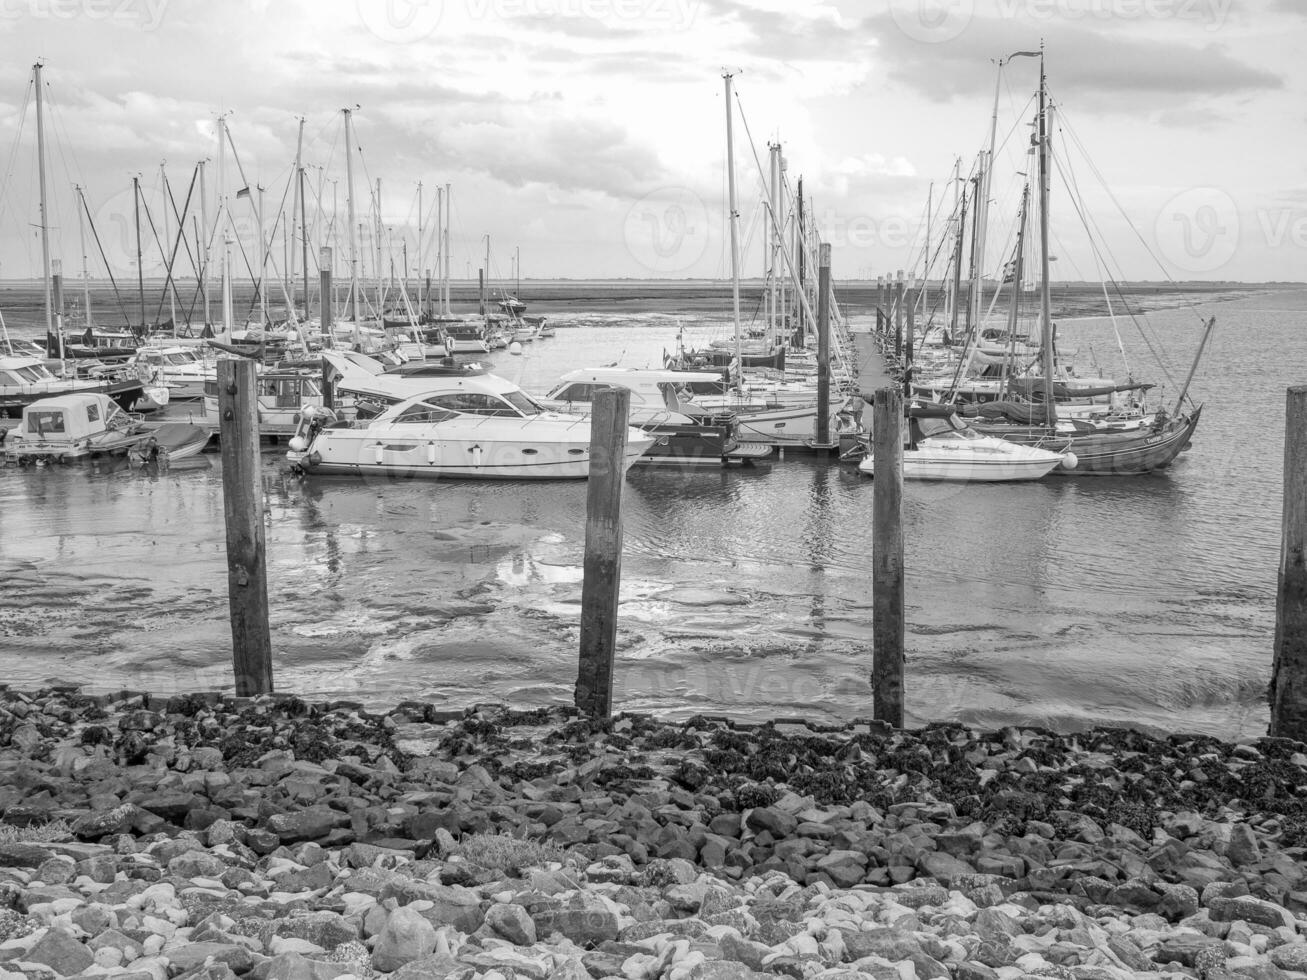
x,y
603,552
1288,691
887,558
823,346
242,504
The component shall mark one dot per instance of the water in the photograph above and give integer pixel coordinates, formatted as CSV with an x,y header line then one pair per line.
x,y
1067,603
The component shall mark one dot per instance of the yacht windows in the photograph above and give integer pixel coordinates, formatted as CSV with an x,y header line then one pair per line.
x,y
523,402
474,403
423,413
92,412
577,393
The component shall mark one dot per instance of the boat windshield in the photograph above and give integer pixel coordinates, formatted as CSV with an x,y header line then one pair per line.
x,y
31,373
182,357
43,422
945,428
481,403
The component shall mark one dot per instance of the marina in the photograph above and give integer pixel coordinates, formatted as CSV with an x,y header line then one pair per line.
x,y
745,590
630,491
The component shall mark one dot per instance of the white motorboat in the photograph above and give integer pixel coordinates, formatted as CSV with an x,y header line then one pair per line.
x,y
183,369
24,380
942,447
462,426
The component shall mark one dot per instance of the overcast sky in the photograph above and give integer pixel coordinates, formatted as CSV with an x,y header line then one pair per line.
x,y
591,133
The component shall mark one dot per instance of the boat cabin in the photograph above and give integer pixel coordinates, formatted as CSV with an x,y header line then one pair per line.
x,y
72,425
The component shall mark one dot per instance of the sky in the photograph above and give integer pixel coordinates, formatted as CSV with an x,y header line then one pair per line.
x,y
588,137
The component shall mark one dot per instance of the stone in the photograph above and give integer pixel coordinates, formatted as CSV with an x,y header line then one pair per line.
x,y
61,952
775,821
435,967
1250,909
584,919
197,864
1243,848
191,955
296,966
1291,956
513,923
406,936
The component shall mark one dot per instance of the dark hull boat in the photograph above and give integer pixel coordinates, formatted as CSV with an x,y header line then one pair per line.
x,y
1124,449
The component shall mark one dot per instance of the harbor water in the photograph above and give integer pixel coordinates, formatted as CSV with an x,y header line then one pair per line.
x,y
745,592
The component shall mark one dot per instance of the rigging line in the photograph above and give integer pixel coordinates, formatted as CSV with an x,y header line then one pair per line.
x,y
1157,357
1142,241
1101,263
181,237
13,149
1118,276
122,306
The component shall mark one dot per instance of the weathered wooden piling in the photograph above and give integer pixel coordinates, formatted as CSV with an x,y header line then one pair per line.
x,y
1288,690
242,504
887,629
880,309
823,346
603,552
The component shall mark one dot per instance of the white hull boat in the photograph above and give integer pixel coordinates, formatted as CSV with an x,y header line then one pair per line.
x,y
945,449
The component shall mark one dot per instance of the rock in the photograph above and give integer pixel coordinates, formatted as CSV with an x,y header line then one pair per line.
x,y
1243,848
61,952
776,822
191,955
430,968
1291,956
405,937
296,966
889,944
584,918
197,864
19,855
1250,909
312,823
513,923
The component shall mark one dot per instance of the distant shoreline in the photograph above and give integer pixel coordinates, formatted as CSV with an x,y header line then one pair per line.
x,y
22,301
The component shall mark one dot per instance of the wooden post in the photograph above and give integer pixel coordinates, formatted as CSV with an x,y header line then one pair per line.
x,y
880,302
603,552
1288,691
823,346
242,504
907,344
898,317
887,558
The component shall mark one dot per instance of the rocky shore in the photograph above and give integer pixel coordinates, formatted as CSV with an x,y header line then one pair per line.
x,y
207,836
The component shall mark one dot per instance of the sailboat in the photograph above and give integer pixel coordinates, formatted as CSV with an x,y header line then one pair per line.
x,y
1119,443
774,414
25,379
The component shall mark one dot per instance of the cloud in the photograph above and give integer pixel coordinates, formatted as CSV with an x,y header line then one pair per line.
x,y
1162,72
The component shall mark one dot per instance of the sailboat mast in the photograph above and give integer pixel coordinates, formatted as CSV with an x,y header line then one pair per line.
x,y
140,271
353,241
925,275
420,280
203,256
980,204
380,259
1018,273
167,238
294,216
1045,297
304,242
81,237
40,169
449,214
733,218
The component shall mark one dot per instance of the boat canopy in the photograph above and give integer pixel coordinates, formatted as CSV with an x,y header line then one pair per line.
x,y
69,417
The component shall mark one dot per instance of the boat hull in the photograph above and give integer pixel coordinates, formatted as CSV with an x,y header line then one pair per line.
x,y
1128,452
363,453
